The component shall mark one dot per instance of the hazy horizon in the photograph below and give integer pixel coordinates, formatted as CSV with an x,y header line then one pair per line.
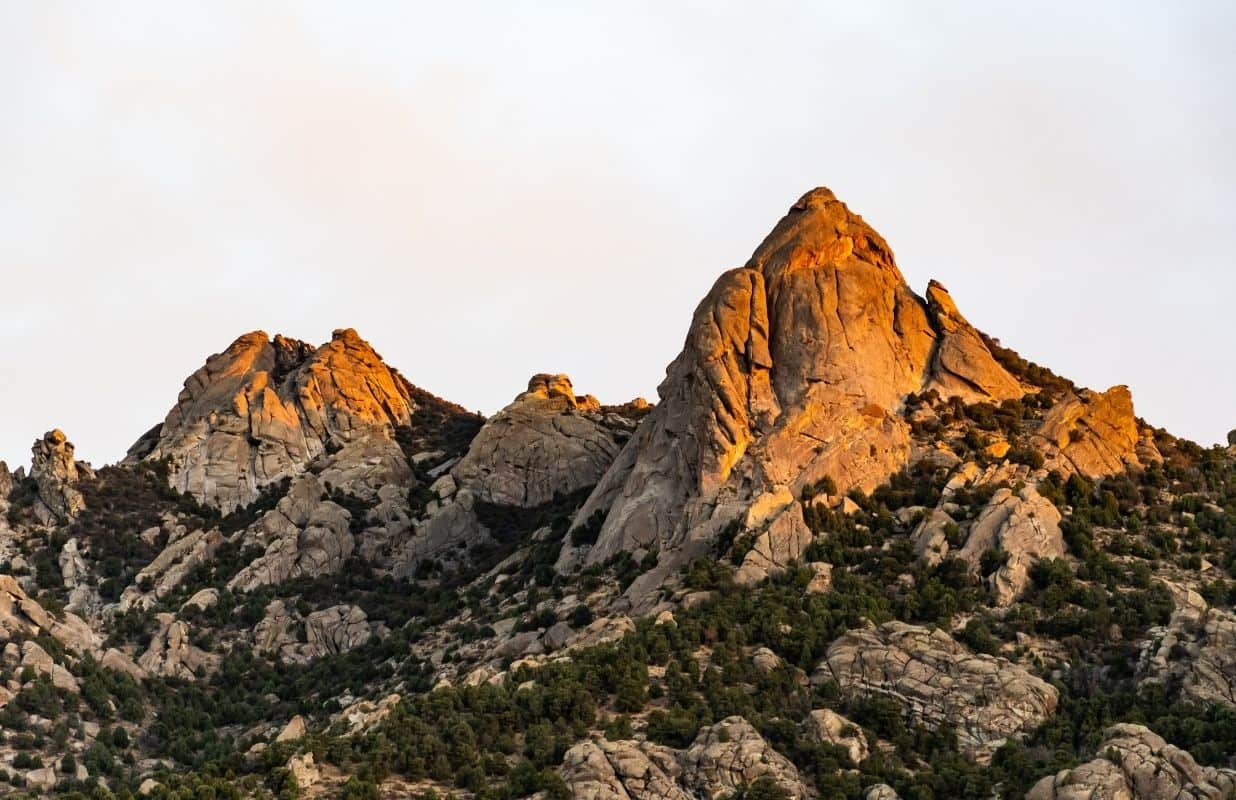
x,y
488,195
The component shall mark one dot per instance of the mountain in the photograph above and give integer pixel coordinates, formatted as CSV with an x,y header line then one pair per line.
x,y
857,548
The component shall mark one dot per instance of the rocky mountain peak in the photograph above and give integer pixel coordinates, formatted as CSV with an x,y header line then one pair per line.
x,y
794,370
263,409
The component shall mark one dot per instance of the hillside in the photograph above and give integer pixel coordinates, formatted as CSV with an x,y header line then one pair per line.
x,y
856,549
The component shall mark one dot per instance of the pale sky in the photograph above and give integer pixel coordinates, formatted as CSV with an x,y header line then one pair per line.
x,y
486,191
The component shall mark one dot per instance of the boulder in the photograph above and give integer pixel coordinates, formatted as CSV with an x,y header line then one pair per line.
x,y
39,660
624,770
1136,764
169,568
829,727
938,681
296,639
295,729
303,770
731,754
305,535
882,791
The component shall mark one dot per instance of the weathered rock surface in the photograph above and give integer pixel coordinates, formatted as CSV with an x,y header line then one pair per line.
x,y
1026,527
881,791
298,639
304,535
162,575
1196,650
939,681
963,366
723,757
172,654
1091,433
56,472
624,770
830,727
22,616
546,442
1136,764
731,754
794,368
264,409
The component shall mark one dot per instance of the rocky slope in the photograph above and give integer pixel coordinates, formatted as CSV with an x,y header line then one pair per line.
x,y
857,549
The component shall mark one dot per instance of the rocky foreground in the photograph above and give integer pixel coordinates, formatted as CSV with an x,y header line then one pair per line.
x,y
856,549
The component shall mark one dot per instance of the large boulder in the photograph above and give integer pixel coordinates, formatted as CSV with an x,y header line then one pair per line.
x,y
623,770
263,409
1023,525
794,369
1134,763
731,754
938,681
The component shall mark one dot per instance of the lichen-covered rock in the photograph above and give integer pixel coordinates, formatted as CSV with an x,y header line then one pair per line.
x,y
938,681
1134,763
1196,651
264,409
56,472
1091,433
794,368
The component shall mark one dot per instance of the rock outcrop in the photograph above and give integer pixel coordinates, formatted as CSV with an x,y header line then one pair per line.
x,y
938,681
723,758
1196,651
623,770
162,575
171,652
263,409
56,472
1091,433
1134,763
1025,527
794,369
829,727
22,616
547,442
338,629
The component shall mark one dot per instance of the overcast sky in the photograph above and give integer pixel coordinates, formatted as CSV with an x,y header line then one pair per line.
x,y
486,191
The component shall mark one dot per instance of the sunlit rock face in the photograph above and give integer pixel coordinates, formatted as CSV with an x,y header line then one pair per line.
x,y
56,472
795,368
263,409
